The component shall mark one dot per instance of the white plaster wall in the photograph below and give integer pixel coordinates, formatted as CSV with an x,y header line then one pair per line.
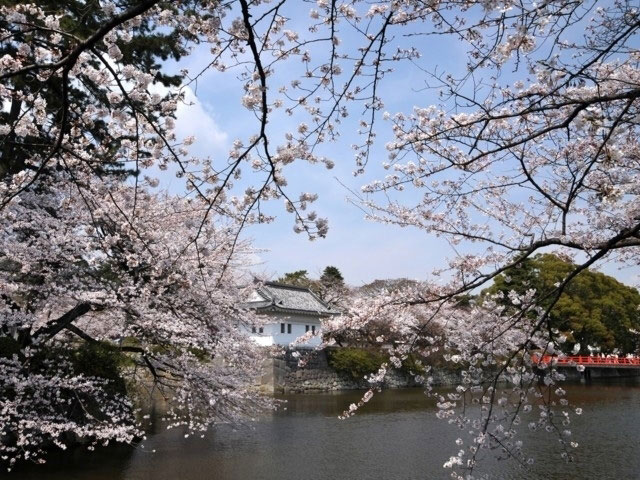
x,y
272,333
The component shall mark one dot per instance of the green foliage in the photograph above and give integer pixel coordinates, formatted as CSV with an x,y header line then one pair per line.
x,y
299,278
356,362
465,301
412,365
330,287
147,49
594,309
94,359
331,276
100,360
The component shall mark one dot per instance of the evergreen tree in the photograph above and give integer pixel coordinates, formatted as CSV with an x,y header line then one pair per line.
x,y
595,309
330,287
331,276
65,102
299,278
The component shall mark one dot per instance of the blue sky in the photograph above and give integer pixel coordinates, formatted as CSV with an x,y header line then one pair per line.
x,y
362,250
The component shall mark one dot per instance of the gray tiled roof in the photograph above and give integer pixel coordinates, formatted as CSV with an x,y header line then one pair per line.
x,y
281,297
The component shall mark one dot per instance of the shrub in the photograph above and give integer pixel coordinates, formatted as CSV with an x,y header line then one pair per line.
x,y
412,365
103,361
356,362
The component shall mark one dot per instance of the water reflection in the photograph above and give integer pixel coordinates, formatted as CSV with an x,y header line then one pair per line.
x,y
396,437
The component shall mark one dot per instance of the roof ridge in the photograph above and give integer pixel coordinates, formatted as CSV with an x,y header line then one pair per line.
x,y
293,297
286,285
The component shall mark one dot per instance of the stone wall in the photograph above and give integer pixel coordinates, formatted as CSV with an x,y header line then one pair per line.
x,y
287,374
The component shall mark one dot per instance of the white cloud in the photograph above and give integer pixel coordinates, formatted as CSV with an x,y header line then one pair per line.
x,y
194,118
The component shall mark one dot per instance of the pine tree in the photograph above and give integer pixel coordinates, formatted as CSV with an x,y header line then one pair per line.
x,y
67,101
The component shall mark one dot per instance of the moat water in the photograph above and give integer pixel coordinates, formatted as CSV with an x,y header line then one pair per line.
x,y
395,437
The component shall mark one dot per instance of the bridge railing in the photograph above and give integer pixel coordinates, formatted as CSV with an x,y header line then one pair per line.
x,y
587,360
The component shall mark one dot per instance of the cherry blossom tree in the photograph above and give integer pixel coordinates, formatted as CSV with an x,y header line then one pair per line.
x,y
88,257
82,274
532,147
508,167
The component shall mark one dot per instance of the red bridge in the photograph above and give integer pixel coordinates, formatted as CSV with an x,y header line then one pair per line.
x,y
588,361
